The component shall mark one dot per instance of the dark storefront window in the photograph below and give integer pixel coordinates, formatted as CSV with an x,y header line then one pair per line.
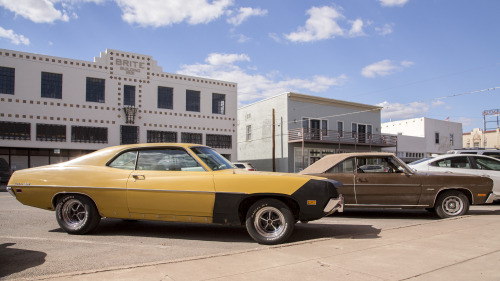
x,y
51,85
15,131
219,141
50,132
218,103
192,100
7,80
129,134
161,136
89,134
95,89
192,138
165,97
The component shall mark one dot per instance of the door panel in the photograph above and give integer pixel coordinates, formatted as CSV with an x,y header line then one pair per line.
x,y
179,193
387,189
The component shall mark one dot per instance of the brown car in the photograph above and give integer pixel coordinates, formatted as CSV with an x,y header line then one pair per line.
x,y
381,180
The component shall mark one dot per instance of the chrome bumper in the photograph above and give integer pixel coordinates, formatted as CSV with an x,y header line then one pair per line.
x,y
9,190
335,204
492,197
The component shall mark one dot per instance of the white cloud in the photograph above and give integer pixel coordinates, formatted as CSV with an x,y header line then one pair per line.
x,y
396,111
38,11
253,86
384,68
357,28
244,13
14,38
158,13
384,30
322,24
392,3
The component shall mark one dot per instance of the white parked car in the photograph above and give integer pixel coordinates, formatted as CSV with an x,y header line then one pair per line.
x,y
244,165
465,164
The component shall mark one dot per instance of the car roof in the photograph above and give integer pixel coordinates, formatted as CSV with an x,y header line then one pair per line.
x,y
102,156
438,157
328,161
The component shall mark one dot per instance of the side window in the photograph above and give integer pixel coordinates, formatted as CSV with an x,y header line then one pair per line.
x,y
488,164
125,161
167,160
379,165
454,162
346,166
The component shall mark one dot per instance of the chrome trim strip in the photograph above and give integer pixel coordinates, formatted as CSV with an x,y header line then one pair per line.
x,y
124,189
383,205
373,184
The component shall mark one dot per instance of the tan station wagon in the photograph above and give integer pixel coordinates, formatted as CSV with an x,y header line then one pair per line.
x,y
392,184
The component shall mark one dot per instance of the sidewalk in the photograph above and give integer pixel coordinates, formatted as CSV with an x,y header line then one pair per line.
x,y
465,248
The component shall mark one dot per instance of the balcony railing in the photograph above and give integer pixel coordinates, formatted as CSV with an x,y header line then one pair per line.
x,y
342,137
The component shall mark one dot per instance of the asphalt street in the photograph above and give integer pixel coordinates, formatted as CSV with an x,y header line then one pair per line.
x,y
33,247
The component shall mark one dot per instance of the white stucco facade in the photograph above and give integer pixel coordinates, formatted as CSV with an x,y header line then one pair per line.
x,y
421,137
117,70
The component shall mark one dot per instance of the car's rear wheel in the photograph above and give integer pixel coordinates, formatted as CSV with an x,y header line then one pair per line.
x,y
270,221
77,214
451,204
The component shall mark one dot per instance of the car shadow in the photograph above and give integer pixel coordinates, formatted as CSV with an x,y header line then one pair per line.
x,y
222,233
414,214
14,260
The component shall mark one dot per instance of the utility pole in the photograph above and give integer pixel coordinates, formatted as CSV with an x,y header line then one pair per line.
x,y
274,145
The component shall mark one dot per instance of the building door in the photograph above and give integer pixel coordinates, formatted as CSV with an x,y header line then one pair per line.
x,y
361,133
315,129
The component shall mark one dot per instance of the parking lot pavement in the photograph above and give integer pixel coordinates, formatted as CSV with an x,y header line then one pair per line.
x,y
464,248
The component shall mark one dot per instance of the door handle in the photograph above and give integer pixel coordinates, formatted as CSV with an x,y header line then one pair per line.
x,y
139,177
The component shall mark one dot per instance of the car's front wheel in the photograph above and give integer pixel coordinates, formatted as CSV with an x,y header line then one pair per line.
x,y
270,221
451,204
77,214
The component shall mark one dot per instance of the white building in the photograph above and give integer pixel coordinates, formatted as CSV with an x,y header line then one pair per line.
x,y
306,128
53,109
421,137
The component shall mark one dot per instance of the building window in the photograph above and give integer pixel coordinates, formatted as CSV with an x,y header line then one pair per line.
x,y
192,100
51,85
218,103
161,136
165,97
451,139
15,131
129,134
436,138
7,80
340,128
354,130
191,138
89,134
129,95
249,132
50,132
369,131
95,89
219,141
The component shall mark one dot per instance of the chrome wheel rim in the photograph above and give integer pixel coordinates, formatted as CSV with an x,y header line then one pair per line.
x,y
74,213
269,222
452,205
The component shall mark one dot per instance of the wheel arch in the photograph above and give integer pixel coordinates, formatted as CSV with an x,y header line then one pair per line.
x,y
58,196
246,203
463,190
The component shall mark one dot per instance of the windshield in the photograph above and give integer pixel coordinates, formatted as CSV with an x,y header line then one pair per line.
x,y
214,160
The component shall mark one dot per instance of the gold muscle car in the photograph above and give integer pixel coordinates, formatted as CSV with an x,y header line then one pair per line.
x,y
381,180
174,182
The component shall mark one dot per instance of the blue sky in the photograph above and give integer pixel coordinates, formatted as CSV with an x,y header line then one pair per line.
x,y
425,58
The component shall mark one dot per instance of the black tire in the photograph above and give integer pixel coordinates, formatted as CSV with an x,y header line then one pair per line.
x,y
451,204
77,214
270,221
